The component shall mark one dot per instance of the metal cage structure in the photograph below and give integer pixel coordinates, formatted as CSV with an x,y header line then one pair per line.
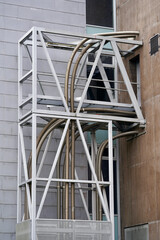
x,y
58,107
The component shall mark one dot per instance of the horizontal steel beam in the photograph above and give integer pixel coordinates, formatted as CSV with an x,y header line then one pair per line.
x,y
102,183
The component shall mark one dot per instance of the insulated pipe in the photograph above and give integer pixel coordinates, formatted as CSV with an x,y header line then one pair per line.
x,y
51,128
67,139
121,34
67,143
72,123
85,128
73,130
38,139
42,136
99,162
72,95
29,165
63,184
110,110
69,67
74,74
58,190
112,34
72,127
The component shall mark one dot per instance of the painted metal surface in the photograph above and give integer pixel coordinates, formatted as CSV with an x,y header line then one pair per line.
x,y
34,113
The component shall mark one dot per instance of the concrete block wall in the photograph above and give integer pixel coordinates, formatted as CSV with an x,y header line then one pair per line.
x,y
16,18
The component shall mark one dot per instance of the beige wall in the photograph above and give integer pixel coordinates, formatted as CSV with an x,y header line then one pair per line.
x,y
140,157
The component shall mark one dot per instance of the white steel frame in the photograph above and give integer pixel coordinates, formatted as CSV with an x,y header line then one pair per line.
x,y
34,113
116,52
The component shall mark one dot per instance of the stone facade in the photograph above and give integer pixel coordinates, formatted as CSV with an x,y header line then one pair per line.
x,y
140,157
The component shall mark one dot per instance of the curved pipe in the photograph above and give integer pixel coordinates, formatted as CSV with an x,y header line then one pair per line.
x,y
120,34
99,162
110,110
50,126
72,127
76,135
67,140
54,122
73,130
42,136
29,166
74,74
38,139
69,67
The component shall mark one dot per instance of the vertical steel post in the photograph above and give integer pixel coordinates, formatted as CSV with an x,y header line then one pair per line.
x,y
73,169
34,126
118,189
19,146
23,154
114,16
33,215
93,155
19,174
34,67
111,190
67,177
20,73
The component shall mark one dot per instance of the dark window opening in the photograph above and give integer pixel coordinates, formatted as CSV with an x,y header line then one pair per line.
x,y
134,66
97,90
99,12
105,59
106,153
105,172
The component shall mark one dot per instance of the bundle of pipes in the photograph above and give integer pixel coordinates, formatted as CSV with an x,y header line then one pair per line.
x,y
73,134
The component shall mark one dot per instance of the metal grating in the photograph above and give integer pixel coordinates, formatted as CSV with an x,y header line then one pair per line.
x,y
154,47
65,230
